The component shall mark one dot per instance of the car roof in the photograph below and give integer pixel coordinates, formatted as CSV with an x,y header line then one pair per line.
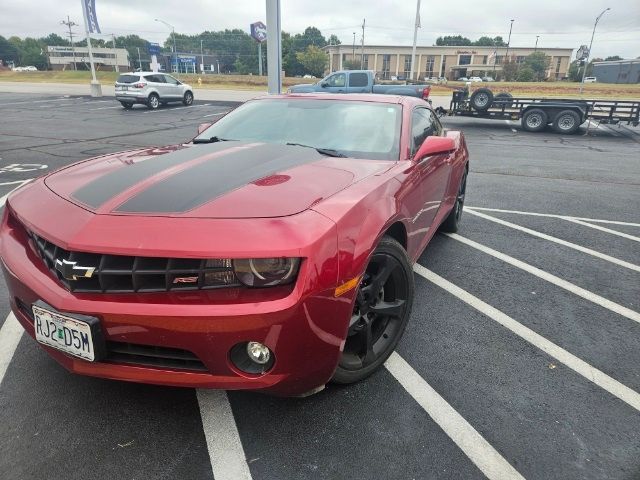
x,y
350,97
144,73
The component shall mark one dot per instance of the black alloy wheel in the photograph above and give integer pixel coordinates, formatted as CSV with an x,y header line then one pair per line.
x,y
188,98
380,313
452,222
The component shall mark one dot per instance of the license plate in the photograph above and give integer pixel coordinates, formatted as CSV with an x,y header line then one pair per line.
x,y
122,87
64,333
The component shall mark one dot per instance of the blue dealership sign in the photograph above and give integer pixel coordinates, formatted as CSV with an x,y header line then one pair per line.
x,y
259,31
153,48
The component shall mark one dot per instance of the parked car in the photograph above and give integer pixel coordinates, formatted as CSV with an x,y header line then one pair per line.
x,y
463,79
475,79
29,68
590,79
308,76
151,89
273,252
359,81
488,79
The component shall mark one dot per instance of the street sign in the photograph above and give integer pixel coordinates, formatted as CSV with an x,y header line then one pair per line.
x,y
583,52
259,31
153,48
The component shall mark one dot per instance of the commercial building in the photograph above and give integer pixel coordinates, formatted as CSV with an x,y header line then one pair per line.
x,y
621,71
449,62
63,58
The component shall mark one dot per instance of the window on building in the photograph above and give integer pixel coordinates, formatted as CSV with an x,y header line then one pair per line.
x,y
484,59
386,65
558,65
464,60
431,60
520,59
365,62
499,59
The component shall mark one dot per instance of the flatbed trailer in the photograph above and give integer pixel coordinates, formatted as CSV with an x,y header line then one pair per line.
x,y
565,115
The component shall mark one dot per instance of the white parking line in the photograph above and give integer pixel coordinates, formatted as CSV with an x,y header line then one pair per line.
x,y
10,335
559,282
38,101
227,456
557,240
603,229
553,215
589,372
105,108
3,199
177,108
467,438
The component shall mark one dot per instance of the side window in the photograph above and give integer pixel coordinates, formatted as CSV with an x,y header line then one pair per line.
x,y
154,78
423,124
337,80
359,79
169,79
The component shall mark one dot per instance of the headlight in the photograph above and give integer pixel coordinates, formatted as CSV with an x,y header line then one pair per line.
x,y
266,272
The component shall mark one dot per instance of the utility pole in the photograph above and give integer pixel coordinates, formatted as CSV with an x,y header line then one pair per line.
x,y
115,53
201,58
415,39
274,47
70,24
586,62
509,40
536,47
139,60
362,56
173,35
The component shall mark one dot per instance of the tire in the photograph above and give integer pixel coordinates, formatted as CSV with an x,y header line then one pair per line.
x,y
503,99
566,122
452,222
380,313
534,120
127,105
188,98
153,102
481,99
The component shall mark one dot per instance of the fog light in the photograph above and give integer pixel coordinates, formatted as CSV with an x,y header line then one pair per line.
x,y
258,352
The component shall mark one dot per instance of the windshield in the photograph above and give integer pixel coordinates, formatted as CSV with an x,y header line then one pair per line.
x,y
354,129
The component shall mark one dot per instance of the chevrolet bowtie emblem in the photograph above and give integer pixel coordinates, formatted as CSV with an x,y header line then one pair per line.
x,y
71,271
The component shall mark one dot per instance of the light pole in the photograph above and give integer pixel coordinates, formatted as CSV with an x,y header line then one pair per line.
x,y
173,35
139,61
506,57
586,61
536,47
201,58
353,51
415,40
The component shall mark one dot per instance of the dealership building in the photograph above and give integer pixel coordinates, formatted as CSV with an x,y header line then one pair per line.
x,y
620,71
106,59
449,62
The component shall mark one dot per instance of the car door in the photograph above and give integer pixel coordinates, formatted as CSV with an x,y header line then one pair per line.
x,y
336,83
173,86
432,172
358,82
156,82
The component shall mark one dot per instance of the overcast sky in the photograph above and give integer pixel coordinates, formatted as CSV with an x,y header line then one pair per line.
x,y
558,23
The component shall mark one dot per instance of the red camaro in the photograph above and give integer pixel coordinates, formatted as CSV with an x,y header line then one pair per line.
x,y
273,252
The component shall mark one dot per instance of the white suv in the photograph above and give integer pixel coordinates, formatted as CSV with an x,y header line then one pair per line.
x,y
152,89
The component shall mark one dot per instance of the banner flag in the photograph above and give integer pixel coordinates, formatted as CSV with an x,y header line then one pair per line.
x,y
90,15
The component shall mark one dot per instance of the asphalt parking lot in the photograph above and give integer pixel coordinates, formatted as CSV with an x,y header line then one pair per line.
x,y
522,357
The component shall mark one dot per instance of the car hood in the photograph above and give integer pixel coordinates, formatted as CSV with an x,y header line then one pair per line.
x,y
218,180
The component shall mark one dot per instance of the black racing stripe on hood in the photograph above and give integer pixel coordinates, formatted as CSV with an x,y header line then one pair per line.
x,y
196,186
103,188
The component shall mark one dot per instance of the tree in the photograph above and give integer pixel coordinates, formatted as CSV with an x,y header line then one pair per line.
x,y
314,60
539,63
509,70
453,40
613,58
8,51
334,40
526,74
53,39
575,71
351,65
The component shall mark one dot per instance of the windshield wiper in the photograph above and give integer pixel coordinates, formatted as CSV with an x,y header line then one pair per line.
x,y
324,151
213,139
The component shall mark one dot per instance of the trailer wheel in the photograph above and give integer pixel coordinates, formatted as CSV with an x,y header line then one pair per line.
x,y
481,99
534,120
567,122
503,99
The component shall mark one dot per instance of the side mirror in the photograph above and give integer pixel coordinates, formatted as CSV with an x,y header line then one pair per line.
x,y
433,146
324,84
203,126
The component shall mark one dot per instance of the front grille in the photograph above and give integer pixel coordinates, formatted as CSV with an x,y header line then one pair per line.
x,y
153,356
125,274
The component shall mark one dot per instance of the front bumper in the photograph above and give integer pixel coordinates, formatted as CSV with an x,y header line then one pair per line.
x,y
304,326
